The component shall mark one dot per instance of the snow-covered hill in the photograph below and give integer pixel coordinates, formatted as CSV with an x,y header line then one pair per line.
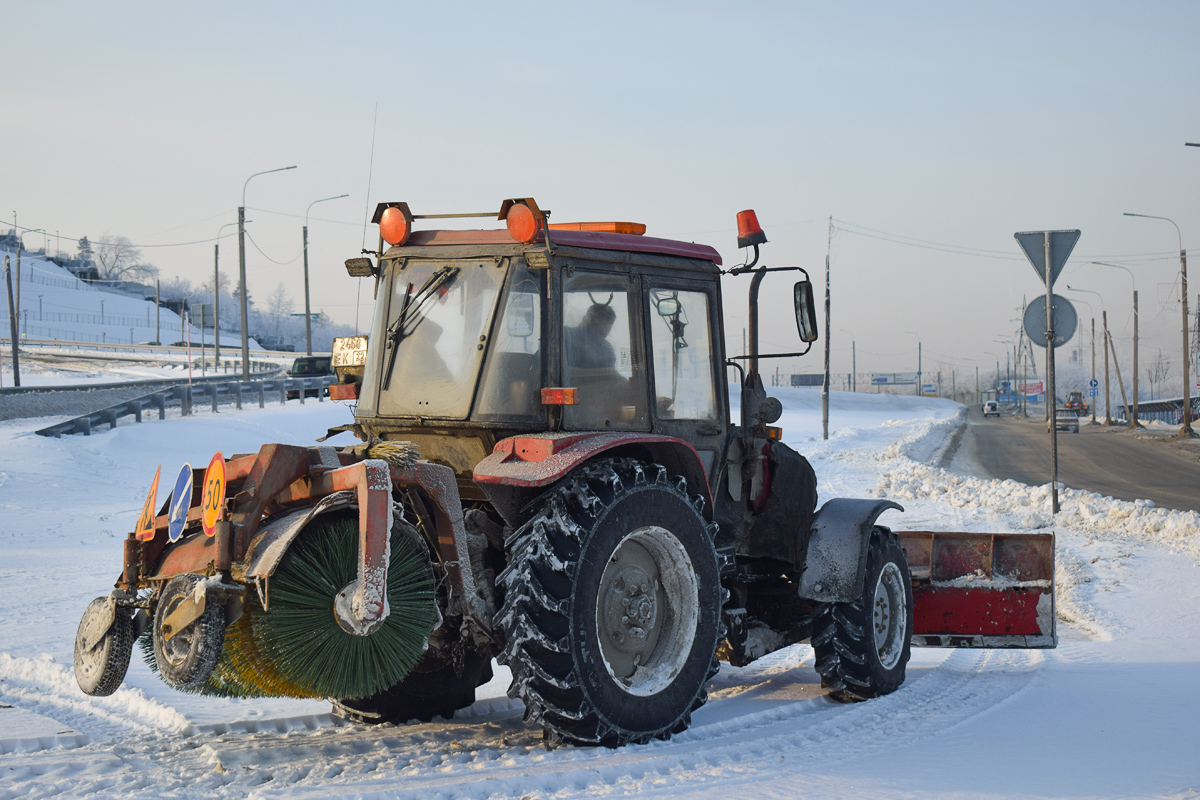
x,y
1113,712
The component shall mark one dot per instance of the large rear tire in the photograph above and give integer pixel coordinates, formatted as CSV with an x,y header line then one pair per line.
x,y
612,602
862,647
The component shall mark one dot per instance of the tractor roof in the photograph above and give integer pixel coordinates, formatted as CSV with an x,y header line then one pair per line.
x,y
568,238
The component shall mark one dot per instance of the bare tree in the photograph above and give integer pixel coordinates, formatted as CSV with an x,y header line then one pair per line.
x,y
117,259
278,302
1157,372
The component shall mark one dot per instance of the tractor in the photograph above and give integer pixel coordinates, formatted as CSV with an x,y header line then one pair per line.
x,y
549,474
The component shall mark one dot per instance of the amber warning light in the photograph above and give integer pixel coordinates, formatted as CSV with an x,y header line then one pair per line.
x,y
559,397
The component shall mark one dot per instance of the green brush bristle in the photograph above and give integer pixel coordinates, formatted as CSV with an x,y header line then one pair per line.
x,y
300,637
297,649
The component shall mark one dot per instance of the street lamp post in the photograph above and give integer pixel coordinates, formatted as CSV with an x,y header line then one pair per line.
x,y
919,387
1093,315
1186,428
1133,422
307,312
217,294
242,271
1104,341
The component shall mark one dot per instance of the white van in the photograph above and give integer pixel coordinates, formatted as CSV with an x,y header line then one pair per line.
x,y
991,407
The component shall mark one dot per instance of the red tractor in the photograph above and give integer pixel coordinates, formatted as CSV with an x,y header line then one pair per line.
x,y
551,474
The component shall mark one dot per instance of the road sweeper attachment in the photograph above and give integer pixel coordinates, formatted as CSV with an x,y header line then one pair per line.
x,y
551,475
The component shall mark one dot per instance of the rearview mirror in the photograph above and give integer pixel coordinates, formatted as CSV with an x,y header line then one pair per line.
x,y
806,312
521,316
667,306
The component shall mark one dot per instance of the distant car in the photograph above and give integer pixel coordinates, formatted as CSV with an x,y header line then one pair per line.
x,y
1066,419
309,367
991,408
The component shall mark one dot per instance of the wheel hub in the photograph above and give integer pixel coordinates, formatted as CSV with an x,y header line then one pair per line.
x,y
888,615
647,609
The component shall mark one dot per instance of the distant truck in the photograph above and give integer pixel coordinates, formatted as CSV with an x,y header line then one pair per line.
x,y
1076,402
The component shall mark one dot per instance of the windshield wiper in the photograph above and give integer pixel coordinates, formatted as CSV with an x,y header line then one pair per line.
x,y
413,301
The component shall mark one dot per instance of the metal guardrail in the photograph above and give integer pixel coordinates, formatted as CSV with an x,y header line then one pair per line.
x,y
272,371
5,341
185,397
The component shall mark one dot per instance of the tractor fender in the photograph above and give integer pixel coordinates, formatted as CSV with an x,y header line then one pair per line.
x,y
836,557
532,462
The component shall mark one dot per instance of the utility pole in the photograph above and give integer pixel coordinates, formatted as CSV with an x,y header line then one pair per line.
x,y
1107,391
825,383
1120,380
216,303
853,366
1186,430
242,271
1133,420
12,319
157,307
1093,368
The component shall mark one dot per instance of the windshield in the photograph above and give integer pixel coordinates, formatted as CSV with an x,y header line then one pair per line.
x,y
438,317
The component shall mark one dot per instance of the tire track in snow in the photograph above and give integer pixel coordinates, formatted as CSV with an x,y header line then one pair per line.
x,y
498,755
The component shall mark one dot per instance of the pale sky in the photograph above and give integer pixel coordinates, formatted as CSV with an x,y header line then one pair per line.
x,y
948,126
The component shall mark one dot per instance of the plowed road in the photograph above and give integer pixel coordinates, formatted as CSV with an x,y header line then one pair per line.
x,y
1110,461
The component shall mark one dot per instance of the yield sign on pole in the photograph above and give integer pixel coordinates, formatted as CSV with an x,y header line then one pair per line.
x,y
1034,245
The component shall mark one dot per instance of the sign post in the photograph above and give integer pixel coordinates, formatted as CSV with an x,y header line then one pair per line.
x,y
1048,260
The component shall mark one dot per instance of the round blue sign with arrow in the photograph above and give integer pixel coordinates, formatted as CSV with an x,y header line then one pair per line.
x,y
1093,383
181,501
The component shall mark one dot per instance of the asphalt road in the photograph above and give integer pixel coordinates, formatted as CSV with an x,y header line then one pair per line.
x,y
1110,461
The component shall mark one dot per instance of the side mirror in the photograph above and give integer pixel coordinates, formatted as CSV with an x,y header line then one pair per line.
x,y
521,316
806,312
667,306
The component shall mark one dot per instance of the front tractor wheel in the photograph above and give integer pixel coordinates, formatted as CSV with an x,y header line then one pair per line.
x,y
612,606
103,644
862,647
186,658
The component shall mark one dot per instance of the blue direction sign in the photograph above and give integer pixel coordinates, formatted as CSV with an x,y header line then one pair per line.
x,y
181,501
1094,383
1062,315
1034,245
1095,391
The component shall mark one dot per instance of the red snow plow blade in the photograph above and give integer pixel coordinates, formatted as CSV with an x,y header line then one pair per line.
x,y
981,589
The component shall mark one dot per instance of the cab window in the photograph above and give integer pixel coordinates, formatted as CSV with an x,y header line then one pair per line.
x,y
681,344
602,355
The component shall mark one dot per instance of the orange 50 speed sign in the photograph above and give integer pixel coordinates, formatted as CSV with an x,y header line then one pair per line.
x,y
212,502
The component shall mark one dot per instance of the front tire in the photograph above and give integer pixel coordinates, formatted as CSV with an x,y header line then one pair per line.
x,y
100,668
188,658
612,606
862,647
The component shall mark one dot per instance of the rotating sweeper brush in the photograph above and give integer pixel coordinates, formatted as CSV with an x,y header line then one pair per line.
x,y
298,649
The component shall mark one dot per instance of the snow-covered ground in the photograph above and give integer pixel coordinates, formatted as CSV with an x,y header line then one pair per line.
x,y
1113,712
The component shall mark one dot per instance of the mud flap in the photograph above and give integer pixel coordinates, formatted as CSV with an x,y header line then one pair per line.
x,y
981,589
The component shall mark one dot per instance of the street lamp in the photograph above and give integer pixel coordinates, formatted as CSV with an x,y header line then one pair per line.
x,y
1186,429
919,387
307,316
1133,421
242,271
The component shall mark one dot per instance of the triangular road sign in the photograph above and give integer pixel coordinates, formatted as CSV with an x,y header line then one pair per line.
x,y
1034,245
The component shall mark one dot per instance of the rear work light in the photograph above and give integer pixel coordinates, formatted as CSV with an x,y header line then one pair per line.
x,y
559,396
634,228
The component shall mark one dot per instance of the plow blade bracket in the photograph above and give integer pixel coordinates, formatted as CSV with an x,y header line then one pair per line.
x,y
982,589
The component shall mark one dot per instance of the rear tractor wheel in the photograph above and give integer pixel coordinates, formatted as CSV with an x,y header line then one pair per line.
x,y
612,606
862,647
